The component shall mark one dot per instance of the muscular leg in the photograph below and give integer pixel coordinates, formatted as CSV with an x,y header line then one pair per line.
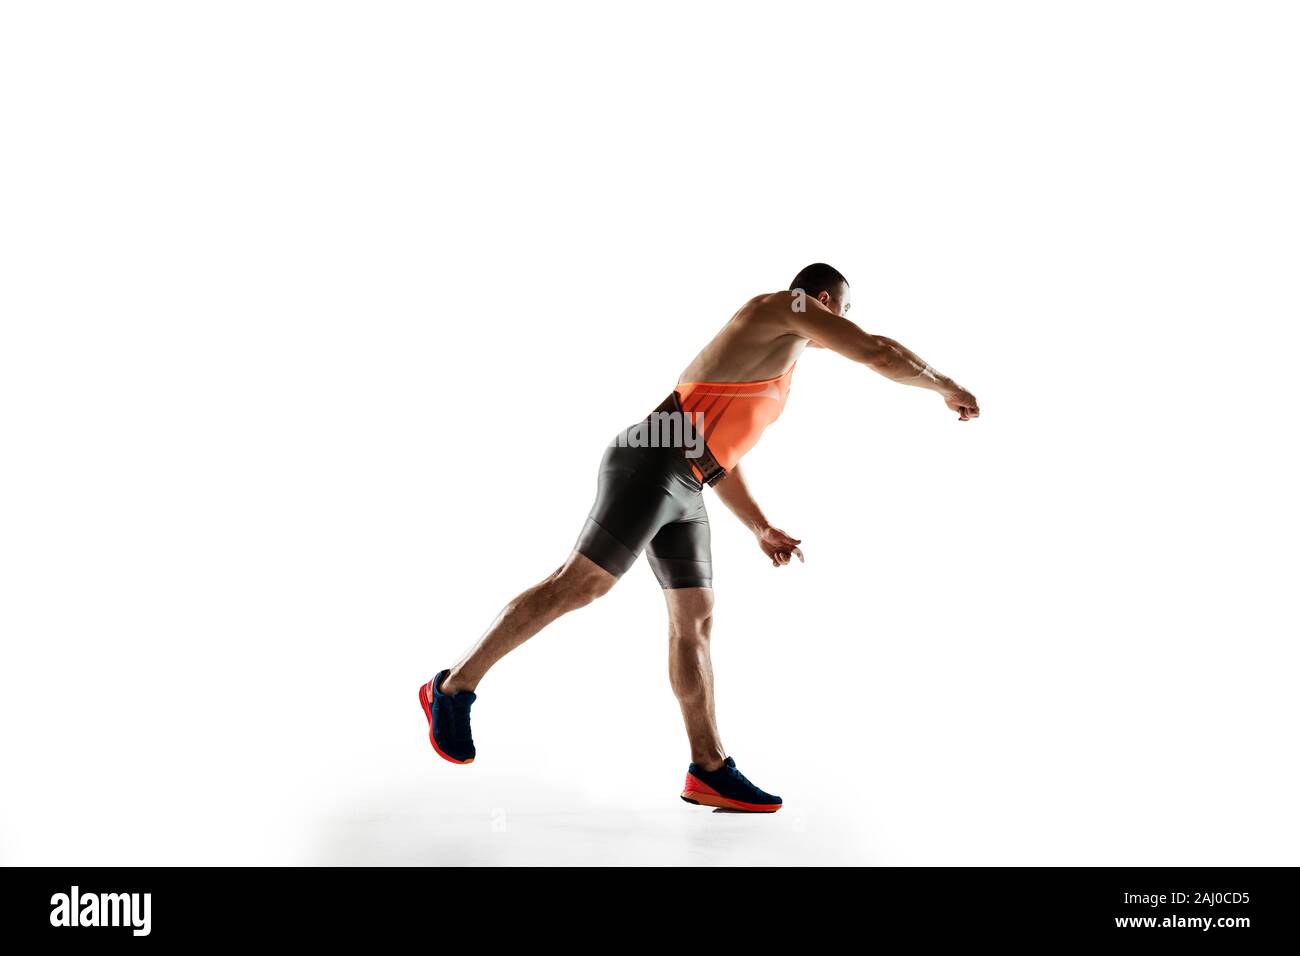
x,y
690,620
575,584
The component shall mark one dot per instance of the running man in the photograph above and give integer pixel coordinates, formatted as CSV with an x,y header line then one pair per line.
x,y
650,498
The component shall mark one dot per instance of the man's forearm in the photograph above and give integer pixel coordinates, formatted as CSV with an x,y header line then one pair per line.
x,y
734,493
900,364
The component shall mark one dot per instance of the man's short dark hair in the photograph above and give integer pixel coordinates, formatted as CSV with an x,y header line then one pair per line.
x,y
818,278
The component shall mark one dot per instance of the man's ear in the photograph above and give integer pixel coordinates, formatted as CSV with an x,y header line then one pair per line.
x,y
825,299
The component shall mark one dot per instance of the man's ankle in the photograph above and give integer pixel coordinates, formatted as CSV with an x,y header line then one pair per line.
x,y
453,684
710,764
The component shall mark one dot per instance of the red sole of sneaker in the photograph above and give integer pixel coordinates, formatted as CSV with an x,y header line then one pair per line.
x,y
702,795
722,803
425,705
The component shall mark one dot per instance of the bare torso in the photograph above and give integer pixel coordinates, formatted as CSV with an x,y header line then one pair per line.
x,y
755,344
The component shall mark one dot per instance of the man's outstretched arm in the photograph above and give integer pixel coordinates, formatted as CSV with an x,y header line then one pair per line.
x,y
891,359
775,543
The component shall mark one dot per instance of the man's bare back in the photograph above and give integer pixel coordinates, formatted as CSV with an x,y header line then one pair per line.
x,y
755,344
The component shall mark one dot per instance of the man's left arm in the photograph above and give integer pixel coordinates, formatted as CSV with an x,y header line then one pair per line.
x,y
775,543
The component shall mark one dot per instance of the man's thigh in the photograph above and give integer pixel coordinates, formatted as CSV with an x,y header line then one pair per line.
x,y
680,553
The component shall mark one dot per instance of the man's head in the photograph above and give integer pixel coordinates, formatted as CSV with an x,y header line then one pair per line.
x,y
825,284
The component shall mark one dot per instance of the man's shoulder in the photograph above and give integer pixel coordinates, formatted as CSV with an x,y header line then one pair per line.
x,y
772,298
767,307
766,303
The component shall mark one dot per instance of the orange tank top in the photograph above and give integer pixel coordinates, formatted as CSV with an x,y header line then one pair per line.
x,y
735,413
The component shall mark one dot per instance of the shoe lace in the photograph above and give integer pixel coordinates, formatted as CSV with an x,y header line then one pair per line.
x,y
740,777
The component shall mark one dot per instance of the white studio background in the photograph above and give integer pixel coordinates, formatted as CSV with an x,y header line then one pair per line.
x,y
316,317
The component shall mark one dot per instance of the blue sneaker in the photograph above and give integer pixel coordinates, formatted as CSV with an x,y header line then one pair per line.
x,y
728,789
448,716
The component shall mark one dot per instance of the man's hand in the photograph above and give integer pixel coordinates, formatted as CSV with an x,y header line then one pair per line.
x,y
778,545
963,403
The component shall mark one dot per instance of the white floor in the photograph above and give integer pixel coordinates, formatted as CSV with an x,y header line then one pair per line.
x,y
413,829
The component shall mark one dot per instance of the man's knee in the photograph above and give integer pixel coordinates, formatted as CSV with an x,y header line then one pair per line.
x,y
695,627
577,585
589,587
